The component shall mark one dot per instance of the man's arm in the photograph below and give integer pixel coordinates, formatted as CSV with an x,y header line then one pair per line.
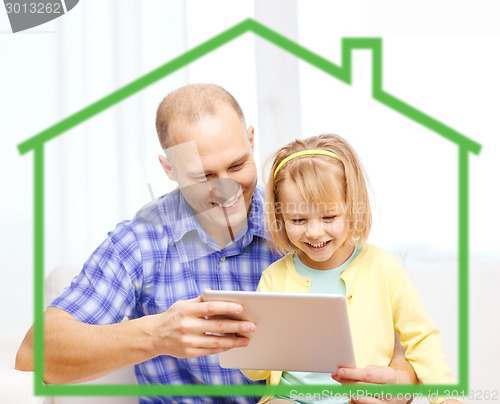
x,y
77,352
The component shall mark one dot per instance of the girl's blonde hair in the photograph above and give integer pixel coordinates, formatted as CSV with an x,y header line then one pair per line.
x,y
320,179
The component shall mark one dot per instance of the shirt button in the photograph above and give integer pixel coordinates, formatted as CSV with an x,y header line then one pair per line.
x,y
349,297
222,259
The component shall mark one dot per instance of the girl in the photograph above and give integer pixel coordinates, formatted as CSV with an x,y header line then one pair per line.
x,y
318,214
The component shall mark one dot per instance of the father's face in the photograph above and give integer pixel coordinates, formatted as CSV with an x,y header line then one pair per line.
x,y
214,165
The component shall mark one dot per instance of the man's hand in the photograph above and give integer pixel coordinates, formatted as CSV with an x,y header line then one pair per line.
x,y
182,330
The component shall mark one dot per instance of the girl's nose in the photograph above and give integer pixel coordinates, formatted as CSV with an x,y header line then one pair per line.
x,y
314,229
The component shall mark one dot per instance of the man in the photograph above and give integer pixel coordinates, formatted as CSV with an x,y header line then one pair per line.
x,y
208,233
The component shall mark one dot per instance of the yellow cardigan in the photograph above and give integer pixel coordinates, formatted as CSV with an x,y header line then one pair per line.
x,y
380,300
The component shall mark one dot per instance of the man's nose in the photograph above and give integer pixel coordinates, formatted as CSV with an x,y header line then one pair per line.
x,y
314,229
223,188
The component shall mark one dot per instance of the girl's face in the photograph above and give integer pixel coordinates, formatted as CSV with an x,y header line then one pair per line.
x,y
319,232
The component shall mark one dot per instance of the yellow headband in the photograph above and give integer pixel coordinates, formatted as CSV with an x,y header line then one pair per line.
x,y
303,153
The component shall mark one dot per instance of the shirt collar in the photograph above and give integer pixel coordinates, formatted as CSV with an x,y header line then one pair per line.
x,y
255,223
187,232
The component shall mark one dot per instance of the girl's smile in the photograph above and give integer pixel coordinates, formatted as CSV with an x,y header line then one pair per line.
x,y
318,246
318,231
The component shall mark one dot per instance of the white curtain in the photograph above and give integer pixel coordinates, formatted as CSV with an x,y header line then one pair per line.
x,y
97,173
278,78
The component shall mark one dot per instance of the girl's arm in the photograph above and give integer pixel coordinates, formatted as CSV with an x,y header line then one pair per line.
x,y
418,334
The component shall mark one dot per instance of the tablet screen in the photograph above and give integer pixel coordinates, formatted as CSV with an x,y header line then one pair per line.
x,y
294,332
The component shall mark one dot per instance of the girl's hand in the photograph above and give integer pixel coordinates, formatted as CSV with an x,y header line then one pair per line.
x,y
374,375
399,371
370,374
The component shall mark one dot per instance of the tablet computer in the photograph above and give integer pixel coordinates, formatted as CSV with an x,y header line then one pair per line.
x,y
299,332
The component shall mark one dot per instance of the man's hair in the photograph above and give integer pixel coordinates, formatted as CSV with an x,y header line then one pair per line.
x,y
191,103
321,180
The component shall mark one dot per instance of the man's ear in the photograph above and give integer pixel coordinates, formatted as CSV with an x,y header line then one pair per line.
x,y
167,167
251,133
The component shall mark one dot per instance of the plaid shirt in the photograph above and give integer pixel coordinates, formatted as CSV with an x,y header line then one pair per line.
x,y
161,256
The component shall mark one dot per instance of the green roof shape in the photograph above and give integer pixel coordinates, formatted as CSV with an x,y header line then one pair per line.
x,y
342,73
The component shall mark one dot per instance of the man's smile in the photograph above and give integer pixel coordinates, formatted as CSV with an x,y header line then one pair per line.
x,y
229,203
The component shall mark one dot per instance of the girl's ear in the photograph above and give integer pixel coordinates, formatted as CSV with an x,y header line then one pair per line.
x,y
167,167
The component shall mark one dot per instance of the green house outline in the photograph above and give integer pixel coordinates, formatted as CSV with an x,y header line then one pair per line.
x,y
343,73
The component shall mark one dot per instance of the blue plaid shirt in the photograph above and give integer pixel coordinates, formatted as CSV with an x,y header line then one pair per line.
x,y
161,256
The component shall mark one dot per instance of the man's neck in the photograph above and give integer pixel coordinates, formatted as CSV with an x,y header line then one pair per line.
x,y
222,235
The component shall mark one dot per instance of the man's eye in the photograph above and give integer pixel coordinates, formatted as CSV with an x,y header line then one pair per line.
x,y
237,166
203,178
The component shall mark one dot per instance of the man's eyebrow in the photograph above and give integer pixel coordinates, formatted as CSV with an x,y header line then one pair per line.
x,y
240,160
236,161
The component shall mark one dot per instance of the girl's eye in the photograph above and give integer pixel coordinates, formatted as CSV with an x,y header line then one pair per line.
x,y
297,221
329,218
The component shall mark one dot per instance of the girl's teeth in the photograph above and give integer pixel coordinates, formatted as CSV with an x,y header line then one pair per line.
x,y
318,245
